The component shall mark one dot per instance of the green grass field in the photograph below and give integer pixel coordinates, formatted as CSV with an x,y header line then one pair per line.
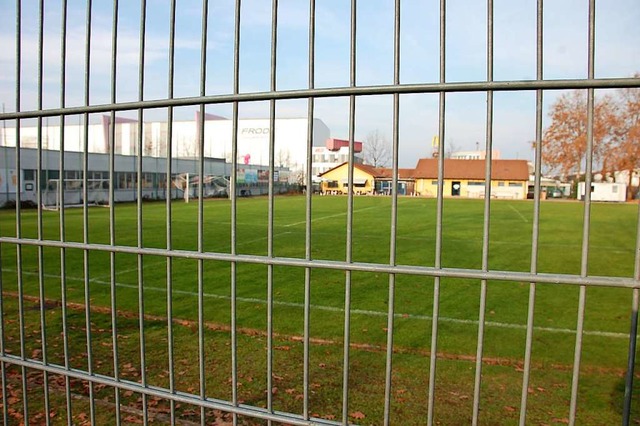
x,y
612,249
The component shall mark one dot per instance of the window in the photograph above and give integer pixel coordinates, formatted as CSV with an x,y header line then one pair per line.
x,y
614,189
332,184
515,184
500,183
29,174
476,183
434,182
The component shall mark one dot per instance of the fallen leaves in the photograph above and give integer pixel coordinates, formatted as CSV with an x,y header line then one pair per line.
x,y
359,415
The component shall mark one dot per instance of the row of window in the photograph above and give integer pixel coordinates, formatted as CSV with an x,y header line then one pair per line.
x,y
73,179
481,183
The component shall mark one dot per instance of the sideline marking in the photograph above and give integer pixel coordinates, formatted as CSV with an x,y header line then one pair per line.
x,y
353,311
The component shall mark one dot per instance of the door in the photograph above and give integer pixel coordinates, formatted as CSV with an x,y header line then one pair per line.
x,y
455,188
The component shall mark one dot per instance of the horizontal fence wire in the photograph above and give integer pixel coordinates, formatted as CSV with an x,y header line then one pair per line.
x,y
353,92
444,272
390,89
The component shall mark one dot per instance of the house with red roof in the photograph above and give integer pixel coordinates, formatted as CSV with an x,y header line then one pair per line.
x,y
461,178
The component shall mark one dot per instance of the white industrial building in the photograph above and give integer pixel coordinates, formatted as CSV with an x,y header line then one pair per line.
x,y
185,172
290,139
253,139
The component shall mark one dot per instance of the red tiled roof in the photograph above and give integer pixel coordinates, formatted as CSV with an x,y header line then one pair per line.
x,y
384,173
427,168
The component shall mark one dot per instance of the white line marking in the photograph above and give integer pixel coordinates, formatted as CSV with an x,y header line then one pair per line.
x,y
336,215
355,311
519,214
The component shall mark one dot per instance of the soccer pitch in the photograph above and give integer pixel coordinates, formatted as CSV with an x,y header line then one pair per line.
x,y
611,242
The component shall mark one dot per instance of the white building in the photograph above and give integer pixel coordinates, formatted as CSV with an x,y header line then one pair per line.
x,y
290,139
475,155
604,191
333,153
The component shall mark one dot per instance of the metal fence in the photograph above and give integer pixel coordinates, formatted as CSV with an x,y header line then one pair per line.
x,y
246,412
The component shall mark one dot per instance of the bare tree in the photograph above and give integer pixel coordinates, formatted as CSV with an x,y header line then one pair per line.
x,y
376,150
283,158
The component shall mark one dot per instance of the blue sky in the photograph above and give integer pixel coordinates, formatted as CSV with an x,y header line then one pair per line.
x,y
565,56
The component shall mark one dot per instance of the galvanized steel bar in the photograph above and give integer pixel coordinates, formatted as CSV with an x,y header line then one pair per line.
x,y
448,87
584,263
631,359
308,214
162,393
3,370
41,279
85,211
63,256
140,258
474,274
487,220
633,334
168,209
349,236
112,218
439,215
394,216
234,214
25,405
535,231
201,124
270,206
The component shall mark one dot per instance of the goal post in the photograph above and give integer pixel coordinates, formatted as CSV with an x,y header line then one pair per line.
x,y
214,185
73,194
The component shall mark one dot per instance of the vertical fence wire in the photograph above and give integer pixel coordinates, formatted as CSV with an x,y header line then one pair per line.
x,y
308,213
41,273
633,334
168,209
487,220
20,280
201,124
85,212
535,231
3,370
139,235
234,212
439,214
3,367
394,215
349,237
63,255
584,267
112,223
271,212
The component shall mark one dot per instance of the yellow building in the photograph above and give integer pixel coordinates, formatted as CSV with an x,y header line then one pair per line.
x,y
366,180
336,180
466,178
462,178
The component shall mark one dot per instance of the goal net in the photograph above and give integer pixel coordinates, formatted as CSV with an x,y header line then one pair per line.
x,y
214,186
73,194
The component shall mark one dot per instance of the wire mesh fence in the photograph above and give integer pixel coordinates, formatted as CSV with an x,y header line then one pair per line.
x,y
102,328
